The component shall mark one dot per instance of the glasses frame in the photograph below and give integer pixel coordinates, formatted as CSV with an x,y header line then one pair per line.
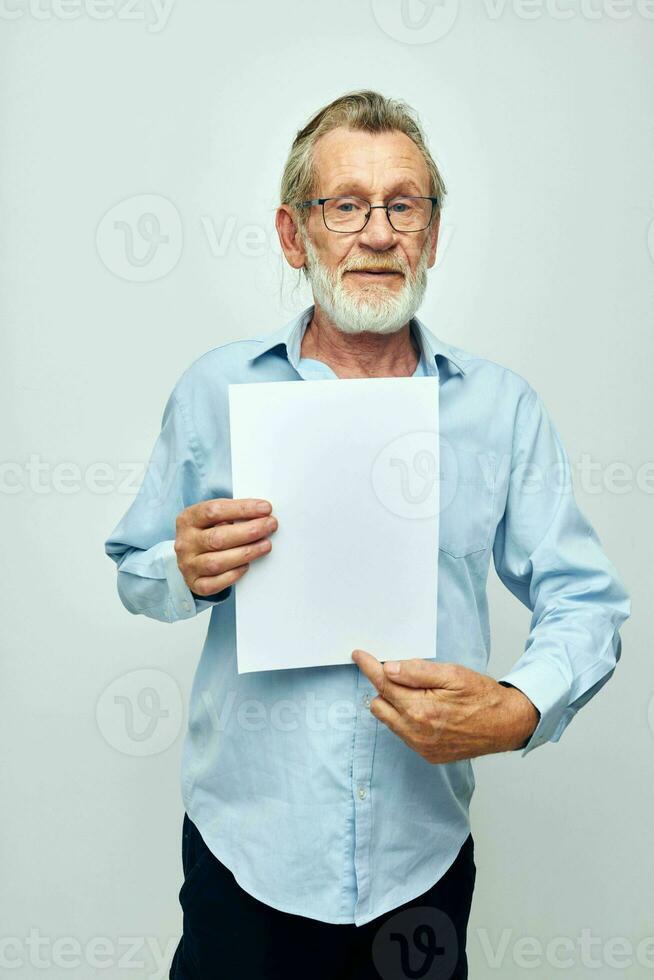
x,y
410,197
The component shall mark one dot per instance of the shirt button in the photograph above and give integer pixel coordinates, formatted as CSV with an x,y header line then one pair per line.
x,y
366,700
362,793
186,604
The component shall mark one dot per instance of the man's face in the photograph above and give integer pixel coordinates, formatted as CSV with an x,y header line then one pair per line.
x,y
373,279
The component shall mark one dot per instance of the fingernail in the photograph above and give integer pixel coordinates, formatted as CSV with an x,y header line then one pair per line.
x,y
355,655
392,666
263,507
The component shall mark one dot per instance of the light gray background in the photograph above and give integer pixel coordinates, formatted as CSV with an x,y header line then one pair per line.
x,y
540,117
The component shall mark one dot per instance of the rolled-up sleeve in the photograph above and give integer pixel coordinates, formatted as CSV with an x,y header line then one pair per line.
x,y
143,543
548,555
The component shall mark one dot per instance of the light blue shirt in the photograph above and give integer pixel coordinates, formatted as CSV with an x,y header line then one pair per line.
x,y
315,806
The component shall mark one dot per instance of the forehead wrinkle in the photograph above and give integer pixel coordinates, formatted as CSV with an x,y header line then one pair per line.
x,y
357,169
396,169
357,188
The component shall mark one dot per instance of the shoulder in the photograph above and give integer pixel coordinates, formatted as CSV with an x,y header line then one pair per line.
x,y
483,372
230,362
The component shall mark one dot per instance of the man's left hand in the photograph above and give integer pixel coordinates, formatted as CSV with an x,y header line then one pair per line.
x,y
445,711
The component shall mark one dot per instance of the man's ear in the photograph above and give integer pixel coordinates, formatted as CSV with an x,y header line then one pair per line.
x,y
289,237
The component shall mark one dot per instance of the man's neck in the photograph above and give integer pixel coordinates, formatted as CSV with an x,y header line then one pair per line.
x,y
364,355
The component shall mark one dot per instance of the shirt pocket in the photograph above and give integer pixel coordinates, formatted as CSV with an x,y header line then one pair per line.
x,y
467,493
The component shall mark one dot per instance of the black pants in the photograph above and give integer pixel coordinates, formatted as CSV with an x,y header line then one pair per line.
x,y
229,935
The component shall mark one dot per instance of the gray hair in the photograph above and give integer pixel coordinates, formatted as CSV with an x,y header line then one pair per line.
x,y
366,111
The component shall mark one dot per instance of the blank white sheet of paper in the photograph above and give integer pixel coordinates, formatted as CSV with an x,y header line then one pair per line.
x,y
351,469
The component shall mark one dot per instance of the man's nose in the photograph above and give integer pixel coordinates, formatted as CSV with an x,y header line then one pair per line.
x,y
378,232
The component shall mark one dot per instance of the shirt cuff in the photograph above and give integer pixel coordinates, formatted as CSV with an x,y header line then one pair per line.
x,y
548,691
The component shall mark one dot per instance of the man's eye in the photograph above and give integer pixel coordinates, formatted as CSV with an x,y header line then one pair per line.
x,y
401,207
348,206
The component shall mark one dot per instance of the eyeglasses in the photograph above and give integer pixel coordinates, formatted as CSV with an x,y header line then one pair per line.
x,y
349,214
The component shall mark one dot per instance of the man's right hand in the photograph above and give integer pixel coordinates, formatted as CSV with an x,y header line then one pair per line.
x,y
217,539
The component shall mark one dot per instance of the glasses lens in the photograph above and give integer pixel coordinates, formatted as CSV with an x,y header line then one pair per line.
x,y
409,213
345,213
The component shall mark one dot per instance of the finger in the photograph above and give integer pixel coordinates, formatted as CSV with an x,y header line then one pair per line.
x,y
225,536
419,673
396,694
216,562
397,723
370,666
385,712
217,583
207,513
209,571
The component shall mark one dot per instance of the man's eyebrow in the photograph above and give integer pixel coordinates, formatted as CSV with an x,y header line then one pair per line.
x,y
355,188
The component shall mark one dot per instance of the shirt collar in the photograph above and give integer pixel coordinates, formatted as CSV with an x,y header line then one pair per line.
x,y
290,337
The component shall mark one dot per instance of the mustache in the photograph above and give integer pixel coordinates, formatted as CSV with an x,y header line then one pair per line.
x,y
373,265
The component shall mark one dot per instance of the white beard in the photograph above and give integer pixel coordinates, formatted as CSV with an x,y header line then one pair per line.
x,y
376,308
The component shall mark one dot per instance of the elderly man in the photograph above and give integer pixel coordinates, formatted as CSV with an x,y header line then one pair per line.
x,y
320,850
